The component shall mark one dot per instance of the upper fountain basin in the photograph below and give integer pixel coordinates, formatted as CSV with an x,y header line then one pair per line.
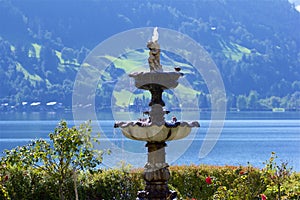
x,y
156,133
145,80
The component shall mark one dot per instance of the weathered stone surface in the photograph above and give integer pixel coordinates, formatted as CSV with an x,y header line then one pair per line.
x,y
156,133
150,80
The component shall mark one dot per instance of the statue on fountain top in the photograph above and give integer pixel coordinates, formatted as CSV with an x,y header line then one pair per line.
x,y
154,54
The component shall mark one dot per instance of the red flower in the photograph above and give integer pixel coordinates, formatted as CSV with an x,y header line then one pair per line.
x,y
6,178
208,180
263,197
242,173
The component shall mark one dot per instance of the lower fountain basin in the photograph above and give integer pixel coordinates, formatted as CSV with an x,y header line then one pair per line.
x,y
156,133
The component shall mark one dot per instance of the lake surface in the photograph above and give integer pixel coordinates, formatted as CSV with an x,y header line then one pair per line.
x,y
246,137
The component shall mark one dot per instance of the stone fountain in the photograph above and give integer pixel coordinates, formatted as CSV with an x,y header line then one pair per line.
x,y
155,130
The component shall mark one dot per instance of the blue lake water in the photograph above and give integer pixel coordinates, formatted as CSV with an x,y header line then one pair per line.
x,y
246,137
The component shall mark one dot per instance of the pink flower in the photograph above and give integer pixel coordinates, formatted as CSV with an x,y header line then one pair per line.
x,y
208,180
263,197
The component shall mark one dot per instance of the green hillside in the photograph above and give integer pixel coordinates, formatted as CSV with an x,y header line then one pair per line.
x,y
255,45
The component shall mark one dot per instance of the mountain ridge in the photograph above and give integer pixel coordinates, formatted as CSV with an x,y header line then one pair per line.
x,y
256,50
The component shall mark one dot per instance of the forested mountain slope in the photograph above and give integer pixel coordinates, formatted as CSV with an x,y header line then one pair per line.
x,y
255,44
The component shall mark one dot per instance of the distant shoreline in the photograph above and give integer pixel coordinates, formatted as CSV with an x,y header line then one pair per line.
x,y
131,116
109,110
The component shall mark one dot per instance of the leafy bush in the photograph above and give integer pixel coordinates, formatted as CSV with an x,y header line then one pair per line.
x,y
3,192
211,182
42,167
191,182
280,180
117,184
66,169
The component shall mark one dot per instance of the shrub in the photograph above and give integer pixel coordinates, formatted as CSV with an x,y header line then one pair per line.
x,y
191,182
280,184
211,182
54,164
3,191
111,184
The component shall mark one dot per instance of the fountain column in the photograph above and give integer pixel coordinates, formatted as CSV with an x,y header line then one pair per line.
x,y
156,174
156,131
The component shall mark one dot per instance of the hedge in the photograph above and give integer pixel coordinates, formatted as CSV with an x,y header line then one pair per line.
x,y
191,182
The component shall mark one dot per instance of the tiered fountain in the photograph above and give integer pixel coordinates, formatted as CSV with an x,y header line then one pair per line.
x,y
156,131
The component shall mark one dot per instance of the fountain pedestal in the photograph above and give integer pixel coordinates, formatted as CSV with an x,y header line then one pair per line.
x,y
156,174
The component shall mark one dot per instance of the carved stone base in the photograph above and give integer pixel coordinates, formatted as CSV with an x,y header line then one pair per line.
x,y
156,175
156,195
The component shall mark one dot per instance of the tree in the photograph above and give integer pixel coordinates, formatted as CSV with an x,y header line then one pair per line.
x,y
202,101
49,59
253,100
68,54
241,103
275,101
70,150
231,101
296,86
82,54
294,101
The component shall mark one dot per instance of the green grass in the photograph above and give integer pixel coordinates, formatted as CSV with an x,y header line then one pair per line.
x,y
33,78
125,97
63,63
186,91
171,63
48,83
37,49
242,49
128,64
58,54
234,51
12,48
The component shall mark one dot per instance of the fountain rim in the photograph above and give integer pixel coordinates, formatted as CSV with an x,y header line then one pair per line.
x,y
153,132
